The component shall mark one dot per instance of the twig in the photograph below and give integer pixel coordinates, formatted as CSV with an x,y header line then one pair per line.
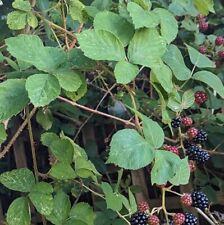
x,y
171,140
55,25
214,152
122,217
16,135
127,122
32,145
205,216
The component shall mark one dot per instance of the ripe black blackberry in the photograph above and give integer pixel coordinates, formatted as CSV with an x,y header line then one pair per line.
x,y
200,200
190,219
197,154
187,144
201,136
139,218
176,122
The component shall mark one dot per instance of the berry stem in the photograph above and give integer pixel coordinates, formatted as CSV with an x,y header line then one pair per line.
x,y
164,204
211,216
174,192
205,216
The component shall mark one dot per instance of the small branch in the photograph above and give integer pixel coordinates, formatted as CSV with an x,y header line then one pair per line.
x,y
205,216
55,25
122,217
35,168
127,122
171,140
214,152
16,135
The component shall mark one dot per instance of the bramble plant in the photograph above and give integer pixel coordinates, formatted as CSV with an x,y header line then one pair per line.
x,y
152,71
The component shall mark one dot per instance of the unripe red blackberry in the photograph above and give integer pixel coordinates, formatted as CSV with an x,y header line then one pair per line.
x,y
187,121
199,200
179,218
139,218
192,165
190,219
173,149
202,49
143,206
221,54
153,220
203,25
192,132
200,97
176,122
219,40
186,199
200,17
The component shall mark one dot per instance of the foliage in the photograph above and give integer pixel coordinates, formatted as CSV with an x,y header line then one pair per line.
x,y
137,63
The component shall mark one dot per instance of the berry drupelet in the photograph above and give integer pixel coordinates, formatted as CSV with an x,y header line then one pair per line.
x,y
192,132
187,121
186,199
203,25
153,220
221,54
190,219
201,136
176,122
178,218
202,49
173,149
143,206
199,200
219,40
139,218
197,154
200,97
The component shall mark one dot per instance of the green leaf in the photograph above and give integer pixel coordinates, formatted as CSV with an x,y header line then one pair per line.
x,y
132,201
102,4
22,5
168,24
75,96
61,208
62,171
83,212
77,11
182,175
41,197
113,200
21,180
174,103
153,132
69,80
211,80
84,168
165,167
114,24
16,20
1,57
79,61
101,45
142,18
18,212
48,138
62,149
129,150
45,118
32,20
146,47
3,134
174,59
42,89
199,59
163,76
188,99
30,49
125,72
204,6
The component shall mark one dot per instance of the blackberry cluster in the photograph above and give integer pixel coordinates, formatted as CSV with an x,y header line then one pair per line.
x,y
176,122
200,200
201,136
190,219
197,154
139,218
